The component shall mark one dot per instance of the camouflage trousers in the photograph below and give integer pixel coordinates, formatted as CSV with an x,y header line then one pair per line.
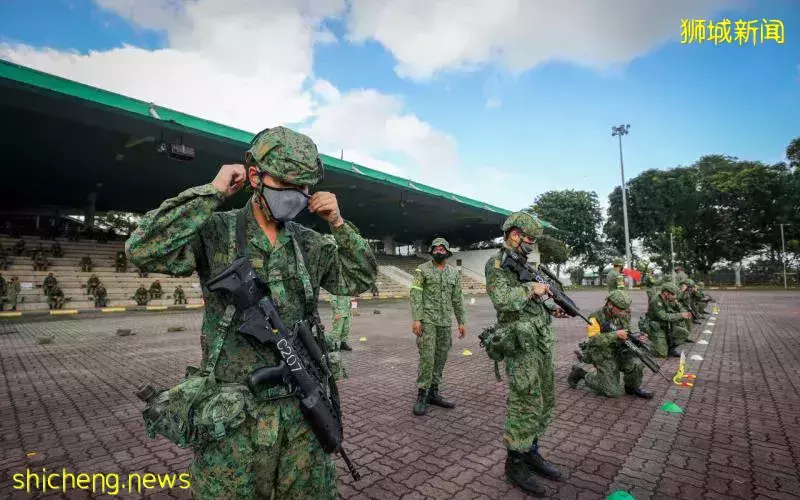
x,y
273,452
434,345
333,344
531,397
662,336
602,376
341,328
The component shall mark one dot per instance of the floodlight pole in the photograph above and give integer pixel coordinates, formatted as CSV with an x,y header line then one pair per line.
x,y
619,131
783,258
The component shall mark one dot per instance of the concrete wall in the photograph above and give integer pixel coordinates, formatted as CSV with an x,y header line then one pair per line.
x,y
473,262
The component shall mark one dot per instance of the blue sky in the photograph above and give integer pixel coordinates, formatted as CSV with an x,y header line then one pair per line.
x,y
553,128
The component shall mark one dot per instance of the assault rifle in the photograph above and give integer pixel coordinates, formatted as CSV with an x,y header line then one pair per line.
x,y
640,347
527,273
304,368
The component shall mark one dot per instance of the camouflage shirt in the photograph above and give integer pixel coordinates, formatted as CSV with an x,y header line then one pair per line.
x,y
510,299
615,280
185,234
436,295
340,305
663,312
621,322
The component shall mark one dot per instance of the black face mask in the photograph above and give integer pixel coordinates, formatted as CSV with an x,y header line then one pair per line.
x,y
438,257
284,204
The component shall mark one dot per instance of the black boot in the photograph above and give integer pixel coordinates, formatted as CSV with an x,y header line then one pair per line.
x,y
541,466
421,406
344,346
639,392
435,399
579,355
519,474
575,376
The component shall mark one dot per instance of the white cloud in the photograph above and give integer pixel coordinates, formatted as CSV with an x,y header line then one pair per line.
x,y
367,124
493,103
248,64
427,36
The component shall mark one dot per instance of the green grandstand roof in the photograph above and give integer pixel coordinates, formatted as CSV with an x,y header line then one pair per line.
x,y
62,85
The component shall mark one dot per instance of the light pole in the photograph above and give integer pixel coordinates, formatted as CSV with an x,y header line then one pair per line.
x,y
619,131
672,254
783,256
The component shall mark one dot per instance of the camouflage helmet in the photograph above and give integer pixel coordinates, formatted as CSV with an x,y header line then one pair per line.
x,y
286,155
525,221
618,261
439,241
690,282
670,287
620,299
700,285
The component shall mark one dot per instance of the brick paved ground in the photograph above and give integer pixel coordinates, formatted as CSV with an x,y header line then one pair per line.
x,y
71,402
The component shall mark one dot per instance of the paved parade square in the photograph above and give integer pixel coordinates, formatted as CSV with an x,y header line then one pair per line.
x,y
70,404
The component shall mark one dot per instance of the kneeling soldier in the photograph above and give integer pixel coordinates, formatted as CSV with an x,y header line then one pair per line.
x,y
608,355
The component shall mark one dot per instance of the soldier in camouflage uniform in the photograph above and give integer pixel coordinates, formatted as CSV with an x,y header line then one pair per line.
x,y
701,298
435,297
19,247
336,339
100,295
49,283
609,355
40,261
615,280
56,250
155,290
524,311
179,295
680,274
12,292
686,301
663,320
121,262
4,260
273,451
91,284
141,296
340,305
651,284
55,298
86,264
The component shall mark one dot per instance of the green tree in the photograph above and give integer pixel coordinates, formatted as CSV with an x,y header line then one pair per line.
x,y
577,216
552,251
793,153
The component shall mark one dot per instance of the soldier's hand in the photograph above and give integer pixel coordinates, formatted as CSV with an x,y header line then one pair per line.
x,y
559,313
686,314
230,179
416,328
462,330
326,206
538,289
622,335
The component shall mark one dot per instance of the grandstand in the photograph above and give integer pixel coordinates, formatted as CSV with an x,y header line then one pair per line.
x,y
100,151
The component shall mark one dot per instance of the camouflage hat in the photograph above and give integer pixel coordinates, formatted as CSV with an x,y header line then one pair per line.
x,y
440,241
526,221
700,285
618,261
286,155
690,282
669,287
619,299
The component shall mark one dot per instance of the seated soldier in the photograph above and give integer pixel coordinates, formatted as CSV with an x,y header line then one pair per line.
x,y
141,296
100,295
179,295
607,352
40,262
91,284
701,298
55,299
56,250
4,260
121,262
155,290
3,286
86,264
663,321
49,283
19,248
